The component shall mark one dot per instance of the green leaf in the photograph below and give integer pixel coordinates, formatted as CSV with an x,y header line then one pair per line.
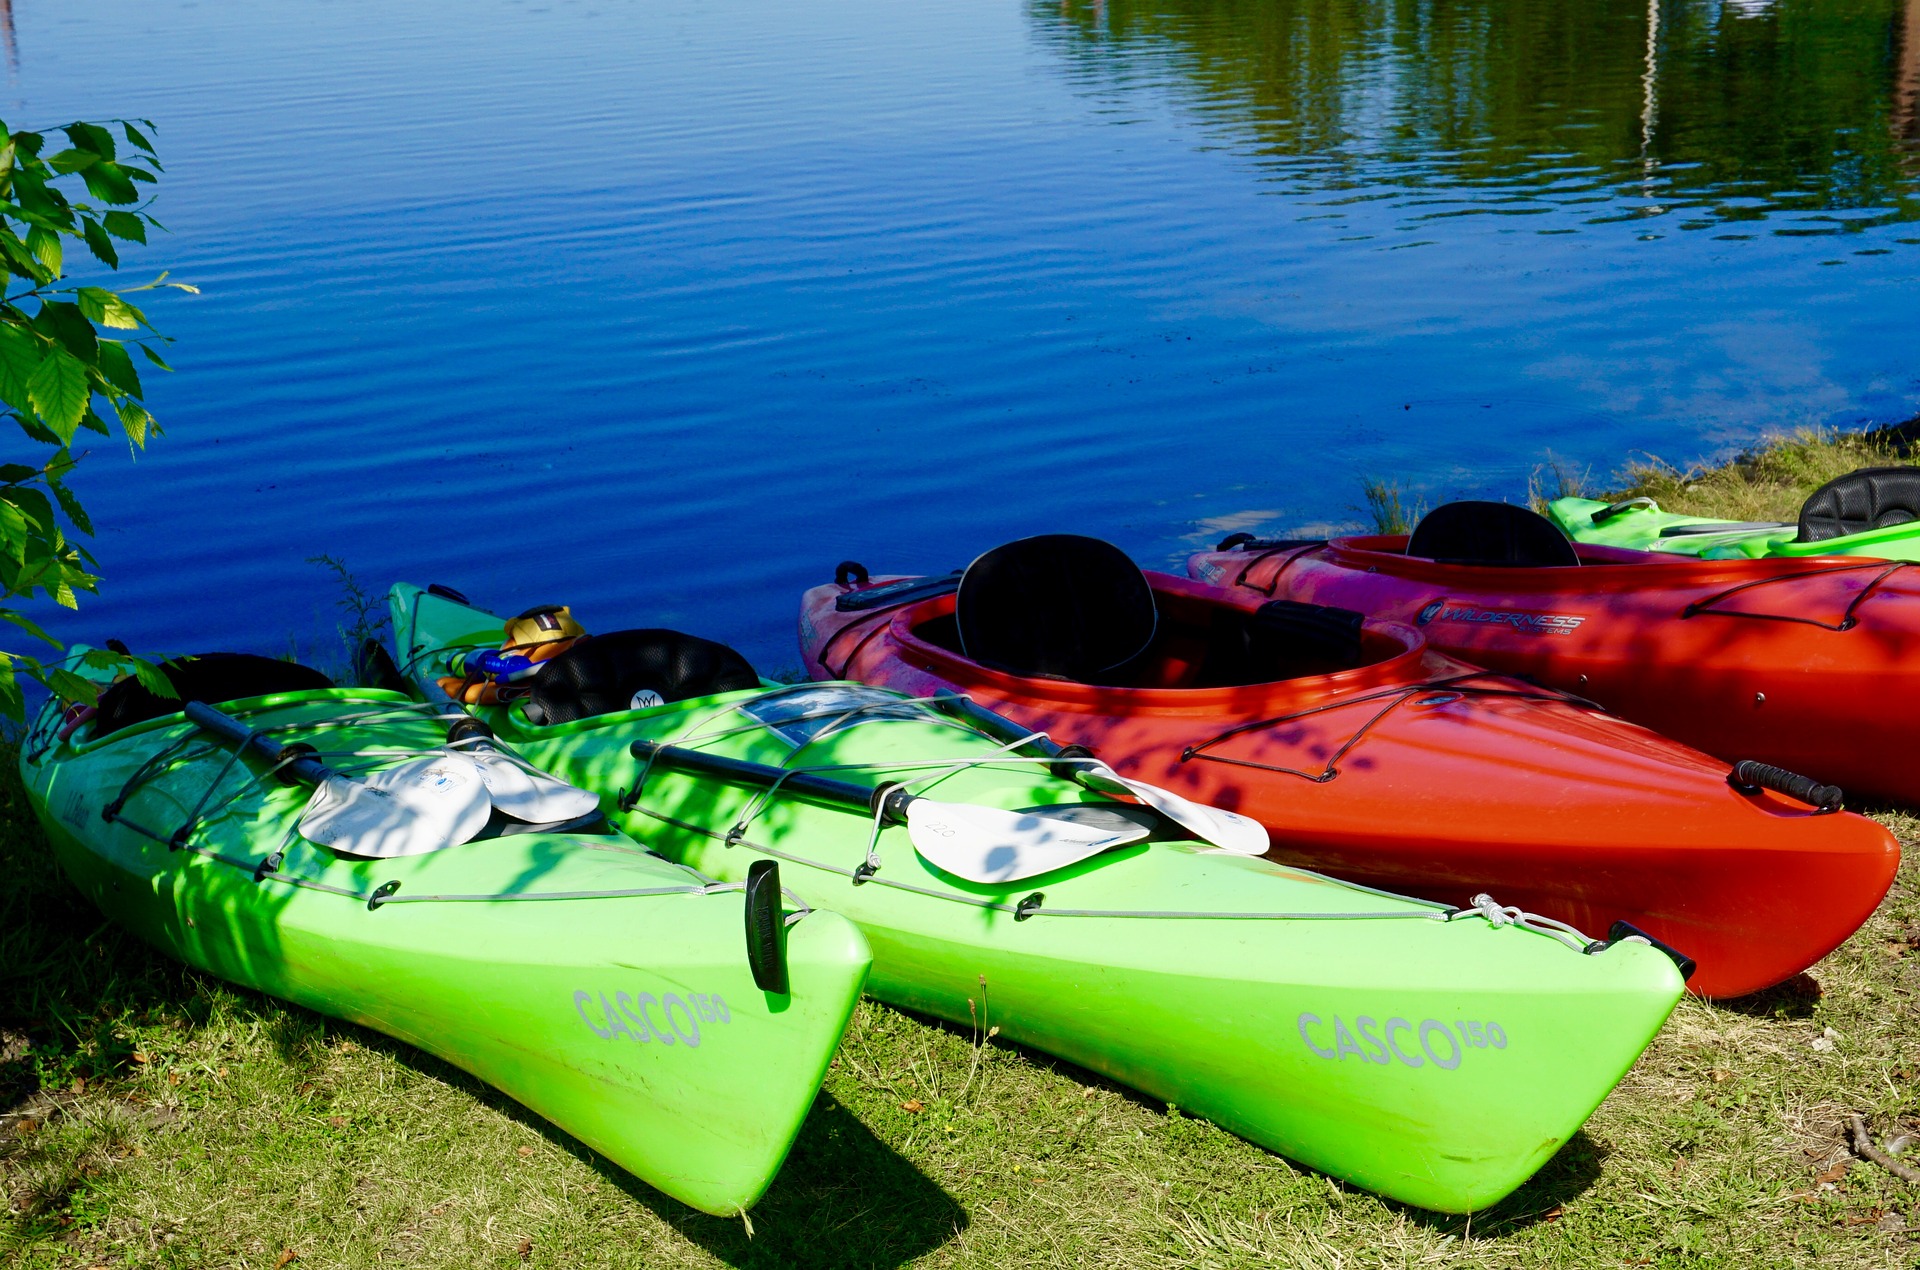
x,y
20,261
98,243
136,136
94,423
108,309
14,473
153,679
28,142
58,390
137,422
70,504
127,225
113,183
12,704
65,322
118,367
45,246
36,430
19,358
66,685
28,625
155,358
73,161
90,137
32,505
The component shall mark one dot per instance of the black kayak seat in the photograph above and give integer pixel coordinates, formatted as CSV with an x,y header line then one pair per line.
x,y
209,677
1059,606
605,673
1497,534
1871,498
1289,632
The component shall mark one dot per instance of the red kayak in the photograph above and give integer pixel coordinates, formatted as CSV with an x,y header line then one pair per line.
x,y
1810,663
1371,755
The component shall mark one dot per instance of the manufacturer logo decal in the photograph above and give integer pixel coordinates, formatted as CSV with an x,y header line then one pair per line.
x,y
668,1019
1524,621
1426,1043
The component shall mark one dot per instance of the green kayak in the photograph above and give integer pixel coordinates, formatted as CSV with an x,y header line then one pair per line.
x,y
1872,512
609,990
1436,1056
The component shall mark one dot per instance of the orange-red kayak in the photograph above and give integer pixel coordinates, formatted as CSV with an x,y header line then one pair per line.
x,y
1417,772
1810,663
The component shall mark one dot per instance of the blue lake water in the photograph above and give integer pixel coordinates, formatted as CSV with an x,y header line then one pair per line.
x,y
661,309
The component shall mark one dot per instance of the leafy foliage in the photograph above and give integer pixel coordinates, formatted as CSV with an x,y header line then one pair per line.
x,y
67,366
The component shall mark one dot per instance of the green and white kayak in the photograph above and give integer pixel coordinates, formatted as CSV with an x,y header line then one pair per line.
x,y
604,987
1873,512
1436,1056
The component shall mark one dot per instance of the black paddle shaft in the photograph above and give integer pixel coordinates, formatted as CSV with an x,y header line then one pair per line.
x,y
890,801
292,762
998,726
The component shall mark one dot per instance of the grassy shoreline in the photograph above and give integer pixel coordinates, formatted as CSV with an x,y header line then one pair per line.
x,y
150,1116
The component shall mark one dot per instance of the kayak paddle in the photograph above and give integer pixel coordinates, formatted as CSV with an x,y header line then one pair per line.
x,y
1227,830
422,805
523,792
980,844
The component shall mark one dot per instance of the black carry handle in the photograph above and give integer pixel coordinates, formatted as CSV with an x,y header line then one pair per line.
x,y
890,801
1001,728
1748,775
1722,527
766,927
905,591
1611,510
1244,541
1627,930
850,573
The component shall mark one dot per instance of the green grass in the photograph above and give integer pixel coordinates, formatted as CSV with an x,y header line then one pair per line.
x,y
150,1116
1769,481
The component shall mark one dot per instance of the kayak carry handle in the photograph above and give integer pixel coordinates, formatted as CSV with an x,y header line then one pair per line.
x,y
1627,930
766,928
850,573
904,591
1747,776
1244,541
1611,510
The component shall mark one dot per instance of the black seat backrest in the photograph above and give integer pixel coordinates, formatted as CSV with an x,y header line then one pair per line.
x,y
602,674
1499,534
209,677
1871,498
1059,605
1289,634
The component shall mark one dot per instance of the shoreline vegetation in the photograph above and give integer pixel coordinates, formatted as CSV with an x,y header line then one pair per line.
x,y
151,1116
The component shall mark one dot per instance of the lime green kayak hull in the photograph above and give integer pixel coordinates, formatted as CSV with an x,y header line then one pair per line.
x,y
1641,528
538,962
1436,1061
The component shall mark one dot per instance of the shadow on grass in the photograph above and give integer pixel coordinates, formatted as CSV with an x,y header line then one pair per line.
x,y
1793,999
842,1198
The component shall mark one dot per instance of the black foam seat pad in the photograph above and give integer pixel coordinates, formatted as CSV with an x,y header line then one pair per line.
x,y
1498,534
1063,606
208,677
1871,498
601,675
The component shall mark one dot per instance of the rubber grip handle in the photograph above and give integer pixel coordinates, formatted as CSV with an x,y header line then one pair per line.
x,y
766,928
1611,510
1747,774
1627,930
850,573
904,591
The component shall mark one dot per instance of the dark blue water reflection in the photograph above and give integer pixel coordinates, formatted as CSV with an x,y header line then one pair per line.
x,y
663,308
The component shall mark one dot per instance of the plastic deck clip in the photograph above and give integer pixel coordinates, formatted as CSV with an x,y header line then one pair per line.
x,y
1028,907
381,894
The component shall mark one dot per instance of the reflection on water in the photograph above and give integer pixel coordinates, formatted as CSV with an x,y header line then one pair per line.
x,y
1704,112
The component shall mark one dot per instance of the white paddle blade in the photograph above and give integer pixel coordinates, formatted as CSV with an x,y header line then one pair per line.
x,y
986,844
425,804
1228,830
527,794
